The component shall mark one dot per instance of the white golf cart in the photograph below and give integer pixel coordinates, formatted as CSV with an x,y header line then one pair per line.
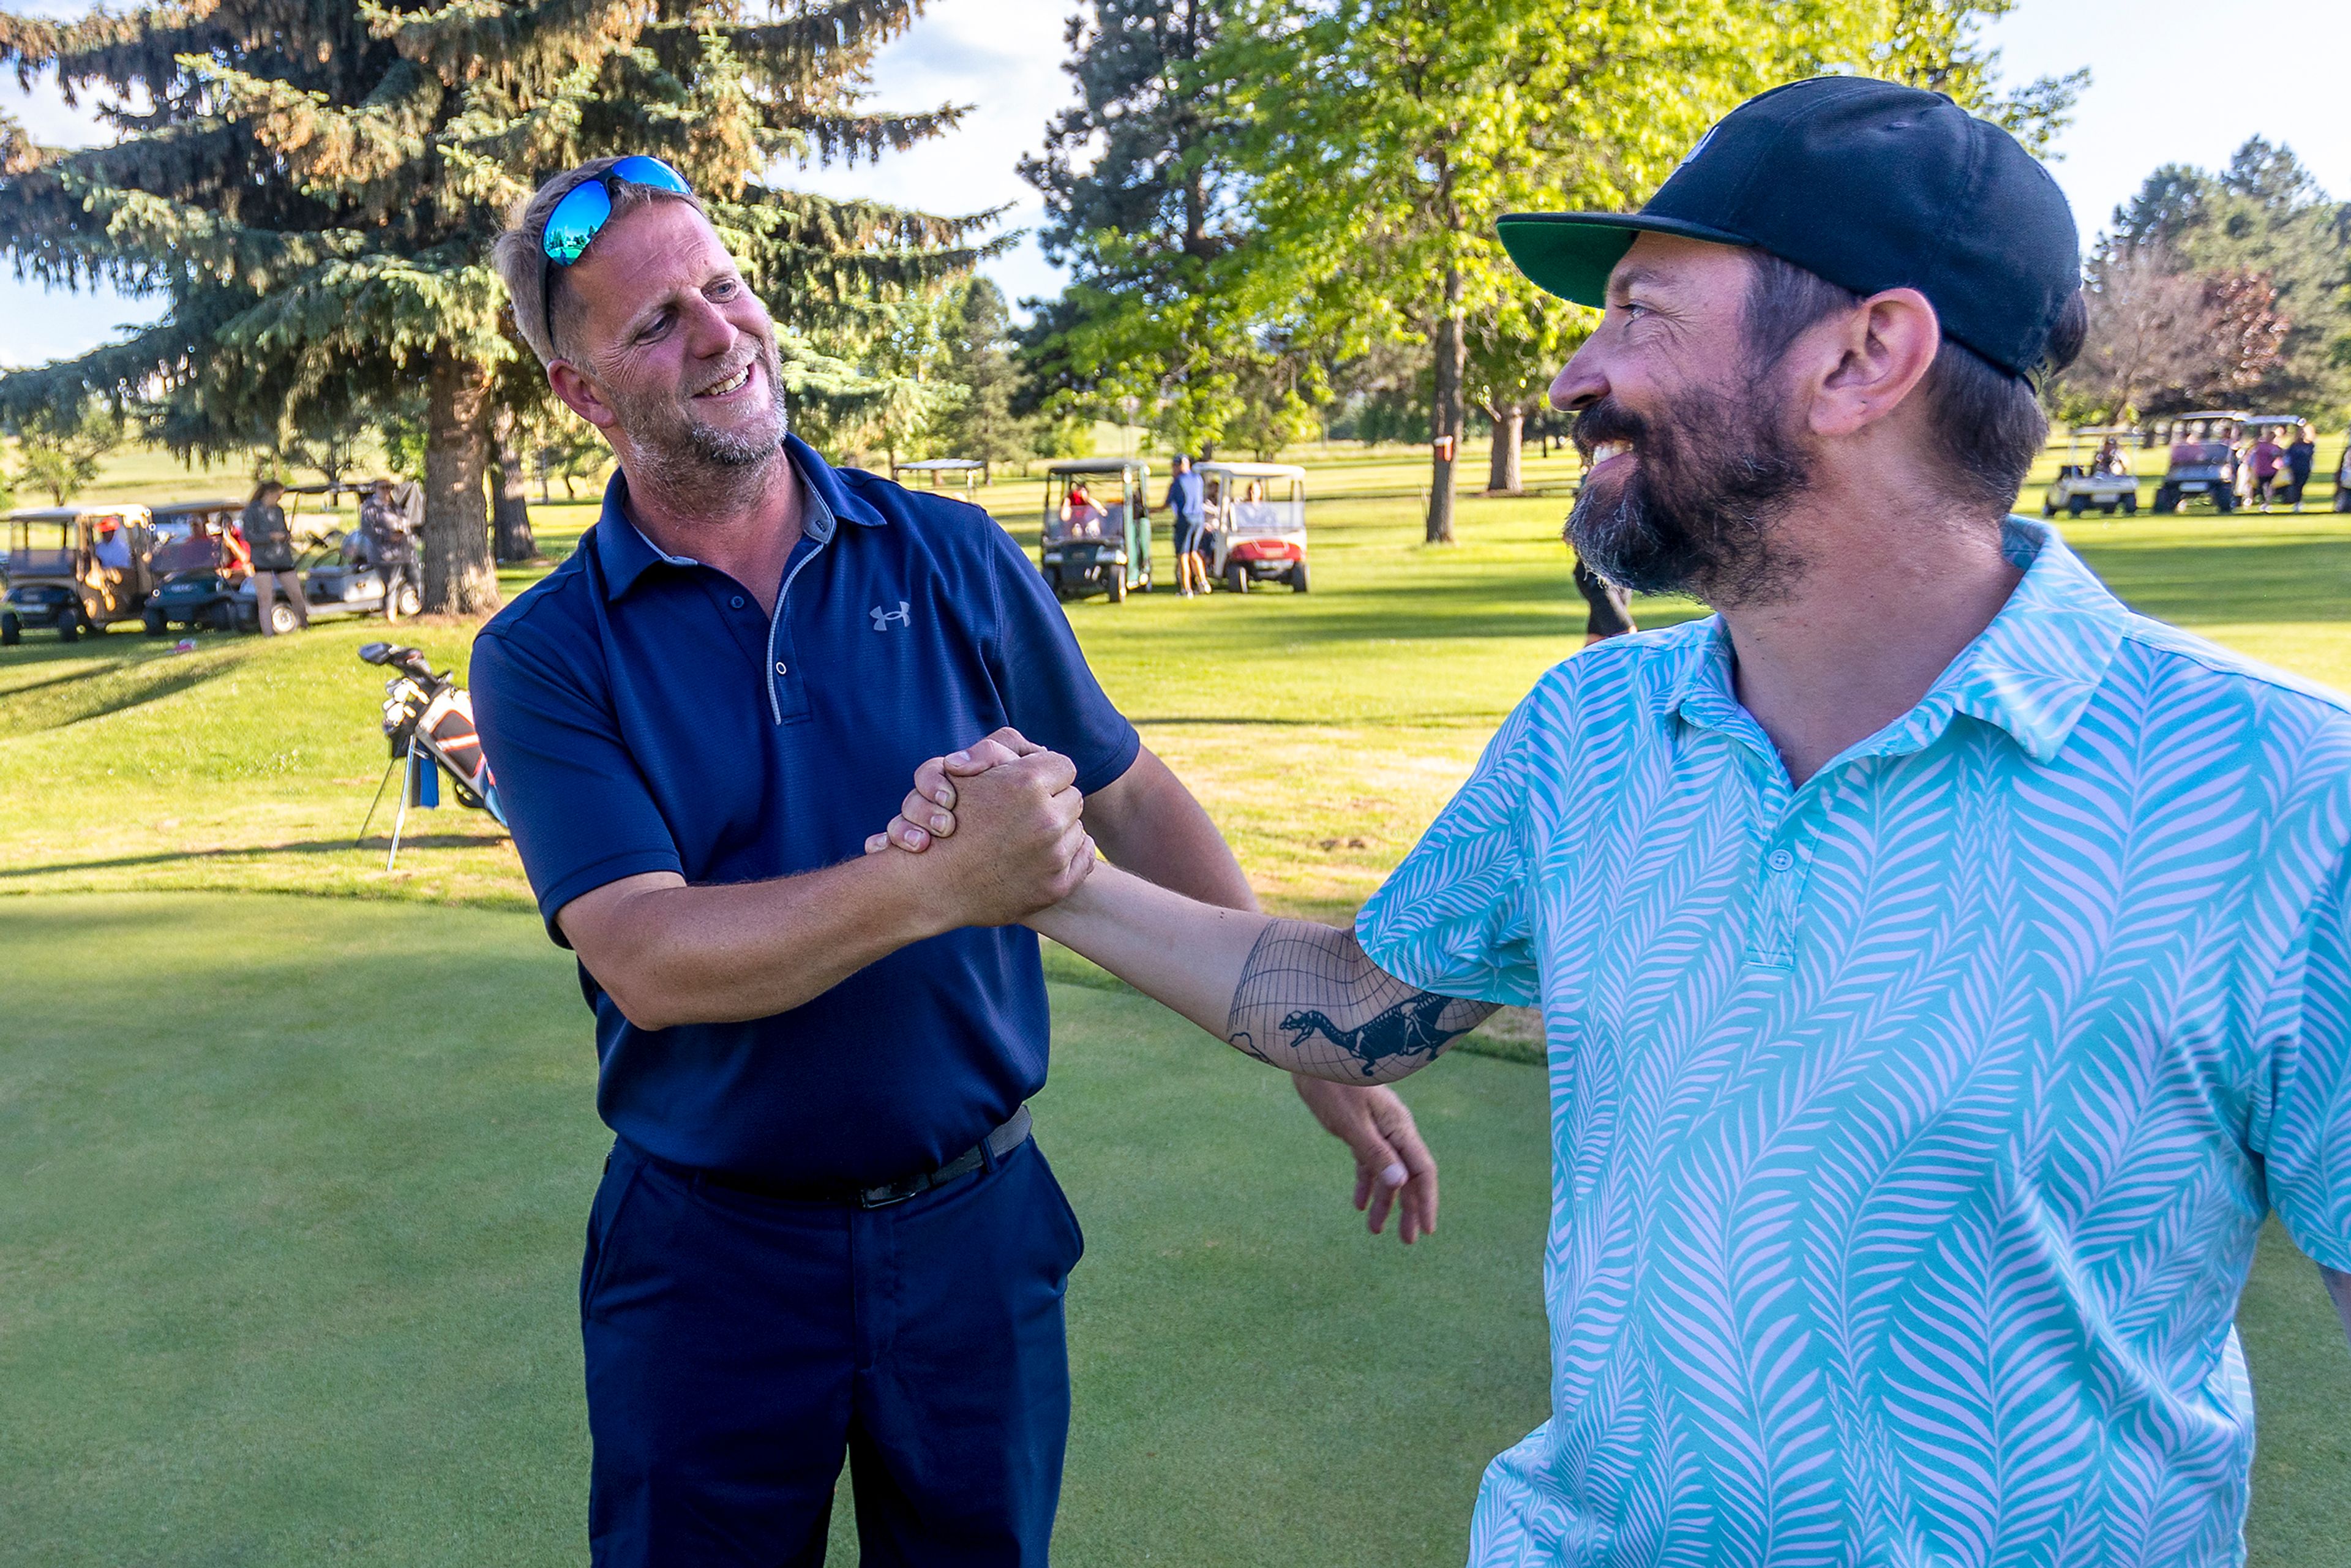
x,y
2203,460
2102,479
962,470
1256,514
1096,533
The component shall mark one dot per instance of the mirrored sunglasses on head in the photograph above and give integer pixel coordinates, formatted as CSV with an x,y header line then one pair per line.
x,y
580,215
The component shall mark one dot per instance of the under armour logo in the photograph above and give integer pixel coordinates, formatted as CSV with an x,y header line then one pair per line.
x,y
882,618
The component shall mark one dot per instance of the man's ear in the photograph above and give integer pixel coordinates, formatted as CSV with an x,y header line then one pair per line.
x,y
579,394
1883,347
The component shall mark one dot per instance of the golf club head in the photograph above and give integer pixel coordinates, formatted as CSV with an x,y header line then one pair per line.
x,y
376,652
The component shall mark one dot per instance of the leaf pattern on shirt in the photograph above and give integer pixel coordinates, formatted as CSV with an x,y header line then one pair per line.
x,y
1900,1205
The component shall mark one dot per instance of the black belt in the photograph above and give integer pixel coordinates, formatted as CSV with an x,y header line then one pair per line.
x,y
995,1146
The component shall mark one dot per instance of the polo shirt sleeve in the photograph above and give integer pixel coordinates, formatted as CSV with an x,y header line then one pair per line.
x,y
579,808
1454,918
1049,692
2302,1114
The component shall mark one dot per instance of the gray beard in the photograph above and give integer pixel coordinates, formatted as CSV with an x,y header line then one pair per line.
x,y
688,457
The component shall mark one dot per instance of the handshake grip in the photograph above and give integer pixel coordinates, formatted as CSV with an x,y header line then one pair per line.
x,y
999,825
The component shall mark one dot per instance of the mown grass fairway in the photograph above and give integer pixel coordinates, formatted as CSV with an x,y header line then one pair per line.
x,y
296,1185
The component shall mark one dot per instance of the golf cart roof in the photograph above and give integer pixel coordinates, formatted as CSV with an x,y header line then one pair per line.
x,y
1101,466
942,465
128,512
190,508
1253,470
2100,432
2211,414
2273,418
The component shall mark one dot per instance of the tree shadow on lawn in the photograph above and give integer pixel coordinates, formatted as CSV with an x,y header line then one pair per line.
x,y
254,852
144,675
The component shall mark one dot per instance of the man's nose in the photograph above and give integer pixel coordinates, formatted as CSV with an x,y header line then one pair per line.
x,y
1578,382
708,333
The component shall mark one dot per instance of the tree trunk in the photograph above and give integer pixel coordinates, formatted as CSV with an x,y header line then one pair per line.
x,y
510,495
1451,362
1504,477
459,577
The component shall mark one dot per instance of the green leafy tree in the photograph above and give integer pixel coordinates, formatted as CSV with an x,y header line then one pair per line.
x,y
982,424
1939,45
311,188
60,450
2261,223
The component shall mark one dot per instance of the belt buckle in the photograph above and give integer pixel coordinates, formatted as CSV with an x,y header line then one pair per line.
x,y
890,1194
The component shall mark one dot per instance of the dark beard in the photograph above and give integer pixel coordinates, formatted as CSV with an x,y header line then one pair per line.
x,y
1696,514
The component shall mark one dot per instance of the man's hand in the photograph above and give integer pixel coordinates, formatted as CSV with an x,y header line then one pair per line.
x,y
1393,1167
1027,849
930,809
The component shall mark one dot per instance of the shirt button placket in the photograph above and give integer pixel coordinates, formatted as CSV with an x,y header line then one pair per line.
x,y
1771,929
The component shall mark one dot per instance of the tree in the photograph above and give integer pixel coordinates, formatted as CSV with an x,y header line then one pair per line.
x,y
59,450
979,360
1939,45
2263,223
312,190
2166,339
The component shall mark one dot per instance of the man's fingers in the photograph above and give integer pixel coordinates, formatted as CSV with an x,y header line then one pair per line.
x,y
932,784
1006,745
1419,1194
921,810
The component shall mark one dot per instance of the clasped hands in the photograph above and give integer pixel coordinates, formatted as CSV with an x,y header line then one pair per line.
x,y
1025,847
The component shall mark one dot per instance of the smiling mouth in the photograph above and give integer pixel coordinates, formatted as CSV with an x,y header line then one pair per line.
x,y
731,385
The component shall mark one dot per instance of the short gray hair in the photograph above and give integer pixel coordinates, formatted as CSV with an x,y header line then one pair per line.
x,y
522,262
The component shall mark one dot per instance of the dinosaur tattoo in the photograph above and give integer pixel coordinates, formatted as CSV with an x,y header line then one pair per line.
x,y
1302,980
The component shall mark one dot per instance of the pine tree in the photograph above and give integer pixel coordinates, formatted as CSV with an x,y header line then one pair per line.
x,y
983,425
312,186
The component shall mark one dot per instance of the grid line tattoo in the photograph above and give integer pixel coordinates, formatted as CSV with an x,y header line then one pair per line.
x,y
1311,1002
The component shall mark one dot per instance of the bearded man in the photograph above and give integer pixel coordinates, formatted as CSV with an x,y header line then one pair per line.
x,y
1946,970
824,1228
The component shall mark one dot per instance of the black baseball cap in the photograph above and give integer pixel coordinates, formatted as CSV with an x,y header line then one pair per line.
x,y
1870,184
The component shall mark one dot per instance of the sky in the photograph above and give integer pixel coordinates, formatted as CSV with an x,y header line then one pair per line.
x,y
2168,84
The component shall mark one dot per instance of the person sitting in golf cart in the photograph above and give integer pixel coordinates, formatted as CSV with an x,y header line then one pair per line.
x,y
1081,516
2110,459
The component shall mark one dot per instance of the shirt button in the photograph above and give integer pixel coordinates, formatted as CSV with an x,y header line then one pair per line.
x,y
781,669
1780,858
737,601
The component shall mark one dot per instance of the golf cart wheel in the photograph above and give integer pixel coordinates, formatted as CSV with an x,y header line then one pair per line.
x,y
411,603
1235,577
2342,497
156,626
12,631
2167,501
2076,506
69,623
220,617
2049,504
2130,505
1118,585
282,620
2222,501
1298,577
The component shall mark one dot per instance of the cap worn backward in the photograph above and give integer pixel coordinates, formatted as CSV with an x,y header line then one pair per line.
x,y
1870,184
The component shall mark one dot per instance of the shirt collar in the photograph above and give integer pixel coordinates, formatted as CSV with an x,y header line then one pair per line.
x,y
2030,673
625,554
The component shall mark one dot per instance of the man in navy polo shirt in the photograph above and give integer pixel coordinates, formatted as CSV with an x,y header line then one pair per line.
x,y
823,1229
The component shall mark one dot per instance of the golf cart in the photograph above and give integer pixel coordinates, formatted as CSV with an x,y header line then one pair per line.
x,y
2203,461
1096,543
1257,515
56,578
2083,481
200,559
965,469
336,581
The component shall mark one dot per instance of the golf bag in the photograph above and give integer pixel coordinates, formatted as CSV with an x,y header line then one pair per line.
x,y
428,722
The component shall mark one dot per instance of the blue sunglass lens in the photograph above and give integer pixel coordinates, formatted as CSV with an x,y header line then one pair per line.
x,y
575,221
584,208
651,171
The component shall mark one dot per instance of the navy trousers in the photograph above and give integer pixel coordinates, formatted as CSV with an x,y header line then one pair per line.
x,y
738,1347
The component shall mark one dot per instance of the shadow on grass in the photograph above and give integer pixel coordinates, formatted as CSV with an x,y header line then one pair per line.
x,y
374,844
145,676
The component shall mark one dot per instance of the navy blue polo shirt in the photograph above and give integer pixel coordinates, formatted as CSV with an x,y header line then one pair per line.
x,y
642,713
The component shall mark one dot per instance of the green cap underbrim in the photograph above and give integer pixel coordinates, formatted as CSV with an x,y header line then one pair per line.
x,y
1571,253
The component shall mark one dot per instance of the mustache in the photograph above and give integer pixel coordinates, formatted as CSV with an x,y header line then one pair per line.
x,y
1603,421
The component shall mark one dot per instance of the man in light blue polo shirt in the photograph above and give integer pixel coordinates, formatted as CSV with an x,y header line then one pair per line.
x,y
1946,970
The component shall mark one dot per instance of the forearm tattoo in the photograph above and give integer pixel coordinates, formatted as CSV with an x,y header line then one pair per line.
x,y
1310,1001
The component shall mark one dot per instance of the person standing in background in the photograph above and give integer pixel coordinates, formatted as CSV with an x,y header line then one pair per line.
x,y
2300,456
272,544
391,544
1183,499
2263,461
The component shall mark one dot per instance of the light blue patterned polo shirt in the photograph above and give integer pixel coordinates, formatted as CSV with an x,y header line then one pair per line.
x,y
1911,1129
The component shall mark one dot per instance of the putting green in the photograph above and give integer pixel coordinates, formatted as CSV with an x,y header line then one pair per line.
x,y
296,1188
